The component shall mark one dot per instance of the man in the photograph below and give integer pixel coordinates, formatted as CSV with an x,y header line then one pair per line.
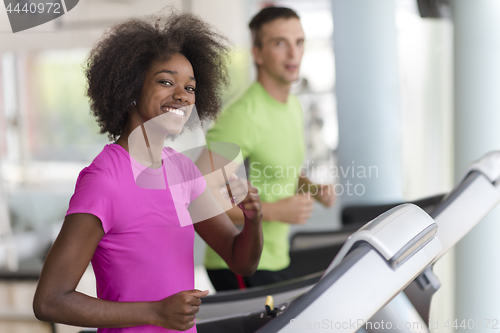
x,y
266,123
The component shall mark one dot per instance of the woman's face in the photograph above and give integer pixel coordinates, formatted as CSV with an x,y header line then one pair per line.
x,y
168,94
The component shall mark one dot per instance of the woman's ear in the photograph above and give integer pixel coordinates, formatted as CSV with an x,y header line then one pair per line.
x,y
132,106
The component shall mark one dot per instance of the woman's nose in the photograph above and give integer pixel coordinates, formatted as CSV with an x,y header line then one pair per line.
x,y
180,95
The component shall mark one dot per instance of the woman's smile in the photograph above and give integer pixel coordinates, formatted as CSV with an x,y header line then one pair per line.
x,y
176,112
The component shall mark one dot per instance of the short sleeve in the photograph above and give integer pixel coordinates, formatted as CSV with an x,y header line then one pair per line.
x,y
197,186
92,196
197,181
180,169
235,125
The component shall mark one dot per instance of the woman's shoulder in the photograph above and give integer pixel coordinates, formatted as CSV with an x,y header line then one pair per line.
x,y
106,165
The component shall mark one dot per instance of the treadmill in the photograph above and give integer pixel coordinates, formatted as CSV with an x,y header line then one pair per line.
x,y
322,246
310,255
458,212
391,250
465,206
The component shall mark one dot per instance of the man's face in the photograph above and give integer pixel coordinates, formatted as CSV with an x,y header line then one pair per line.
x,y
282,47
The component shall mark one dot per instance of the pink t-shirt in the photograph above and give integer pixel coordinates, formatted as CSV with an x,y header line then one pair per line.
x,y
146,253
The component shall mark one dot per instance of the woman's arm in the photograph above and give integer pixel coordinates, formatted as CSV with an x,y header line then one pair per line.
x,y
240,250
57,301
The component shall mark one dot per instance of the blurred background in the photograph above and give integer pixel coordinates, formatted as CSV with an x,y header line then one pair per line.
x,y
407,87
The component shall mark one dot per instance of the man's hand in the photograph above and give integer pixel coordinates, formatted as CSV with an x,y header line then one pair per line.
x,y
177,312
296,209
325,195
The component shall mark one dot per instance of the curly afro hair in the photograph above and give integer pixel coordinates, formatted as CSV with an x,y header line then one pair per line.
x,y
118,63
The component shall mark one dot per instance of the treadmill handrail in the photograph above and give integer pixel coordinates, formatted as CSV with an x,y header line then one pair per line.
x,y
414,228
464,208
345,304
488,165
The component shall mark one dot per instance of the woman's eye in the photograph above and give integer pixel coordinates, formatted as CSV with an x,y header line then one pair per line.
x,y
166,83
191,89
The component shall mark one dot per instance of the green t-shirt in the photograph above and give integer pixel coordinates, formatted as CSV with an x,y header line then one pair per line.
x,y
270,135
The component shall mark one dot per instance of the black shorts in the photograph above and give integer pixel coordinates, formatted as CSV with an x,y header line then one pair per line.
x,y
225,279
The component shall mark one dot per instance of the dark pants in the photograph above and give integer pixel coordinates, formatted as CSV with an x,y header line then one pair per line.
x,y
225,279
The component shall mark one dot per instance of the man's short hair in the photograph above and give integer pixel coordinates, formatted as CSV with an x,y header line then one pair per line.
x,y
266,15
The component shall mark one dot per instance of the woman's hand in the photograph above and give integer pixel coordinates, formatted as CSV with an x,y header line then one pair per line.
x,y
177,312
251,205
246,196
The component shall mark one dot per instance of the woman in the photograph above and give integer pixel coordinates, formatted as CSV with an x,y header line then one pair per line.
x,y
142,257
